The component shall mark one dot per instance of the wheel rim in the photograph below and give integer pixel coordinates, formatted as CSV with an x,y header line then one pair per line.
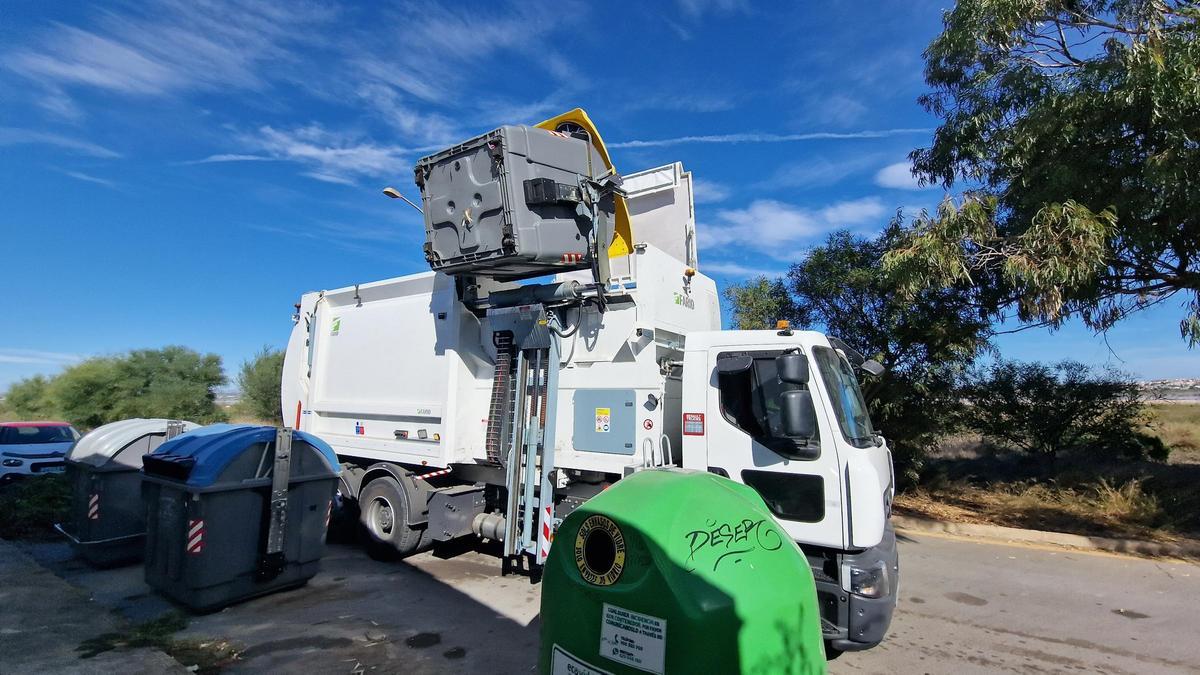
x,y
382,517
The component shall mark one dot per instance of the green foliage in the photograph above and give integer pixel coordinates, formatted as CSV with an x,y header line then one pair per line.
x,y
86,393
926,341
31,506
259,381
759,303
173,382
1047,410
28,399
1075,126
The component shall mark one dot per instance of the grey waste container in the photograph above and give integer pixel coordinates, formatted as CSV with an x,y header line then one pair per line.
x,y
230,518
107,523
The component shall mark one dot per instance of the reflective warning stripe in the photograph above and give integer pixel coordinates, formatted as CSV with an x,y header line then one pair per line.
x,y
94,507
546,536
328,513
195,536
432,474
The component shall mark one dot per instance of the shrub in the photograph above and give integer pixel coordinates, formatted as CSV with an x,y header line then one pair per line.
x,y
259,381
1046,410
30,507
29,399
174,382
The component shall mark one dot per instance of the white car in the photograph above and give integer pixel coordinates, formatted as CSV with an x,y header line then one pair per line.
x,y
34,448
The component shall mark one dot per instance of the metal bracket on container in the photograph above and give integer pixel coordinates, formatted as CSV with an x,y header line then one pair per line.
x,y
174,428
272,561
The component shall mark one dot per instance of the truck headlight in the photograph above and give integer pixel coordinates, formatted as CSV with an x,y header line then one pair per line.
x,y
869,582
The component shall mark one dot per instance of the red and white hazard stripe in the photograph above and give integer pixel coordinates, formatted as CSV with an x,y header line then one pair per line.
x,y
94,507
572,257
195,536
328,514
432,474
545,536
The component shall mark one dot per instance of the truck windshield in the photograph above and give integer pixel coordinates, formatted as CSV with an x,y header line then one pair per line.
x,y
846,397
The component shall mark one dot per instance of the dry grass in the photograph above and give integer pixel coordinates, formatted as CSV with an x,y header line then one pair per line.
x,y
1178,425
1097,509
969,481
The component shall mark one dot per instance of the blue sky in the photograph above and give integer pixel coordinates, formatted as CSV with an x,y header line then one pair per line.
x,y
180,172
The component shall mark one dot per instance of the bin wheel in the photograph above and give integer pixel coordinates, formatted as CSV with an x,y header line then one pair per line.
x,y
831,652
383,512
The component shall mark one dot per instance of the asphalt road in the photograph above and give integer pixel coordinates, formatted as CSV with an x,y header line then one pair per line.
x,y
965,607
968,607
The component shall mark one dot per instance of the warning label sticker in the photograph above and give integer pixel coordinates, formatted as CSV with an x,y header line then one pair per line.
x,y
563,662
637,640
603,420
336,326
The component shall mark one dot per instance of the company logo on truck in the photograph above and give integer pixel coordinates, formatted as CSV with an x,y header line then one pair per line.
x,y
684,301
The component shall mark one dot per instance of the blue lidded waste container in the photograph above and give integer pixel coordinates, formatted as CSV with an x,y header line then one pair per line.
x,y
236,511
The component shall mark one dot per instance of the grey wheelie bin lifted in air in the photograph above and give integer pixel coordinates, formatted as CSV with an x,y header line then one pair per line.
x,y
235,512
107,521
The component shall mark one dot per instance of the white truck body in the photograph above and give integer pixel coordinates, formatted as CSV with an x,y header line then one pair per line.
x,y
400,372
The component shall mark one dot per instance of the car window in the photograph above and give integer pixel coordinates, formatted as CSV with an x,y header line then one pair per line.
x,y
33,435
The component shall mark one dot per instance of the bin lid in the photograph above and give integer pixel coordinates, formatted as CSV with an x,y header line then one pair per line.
x,y
208,455
123,442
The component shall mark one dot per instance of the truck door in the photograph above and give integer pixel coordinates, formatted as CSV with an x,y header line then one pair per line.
x,y
799,480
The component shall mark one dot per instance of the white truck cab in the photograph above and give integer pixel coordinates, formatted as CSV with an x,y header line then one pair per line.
x,y
782,412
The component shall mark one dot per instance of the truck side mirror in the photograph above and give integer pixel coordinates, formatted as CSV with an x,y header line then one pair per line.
x,y
732,365
792,368
872,367
797,414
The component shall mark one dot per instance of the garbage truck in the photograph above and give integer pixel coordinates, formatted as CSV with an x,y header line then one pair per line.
x,y
564,338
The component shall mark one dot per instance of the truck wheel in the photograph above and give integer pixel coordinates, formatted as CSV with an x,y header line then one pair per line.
x,y
383,510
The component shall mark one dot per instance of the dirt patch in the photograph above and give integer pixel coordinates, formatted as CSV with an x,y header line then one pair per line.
x,y
203,656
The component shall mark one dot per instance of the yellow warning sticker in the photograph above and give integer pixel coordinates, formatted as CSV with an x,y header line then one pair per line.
x,y
600,551
603,420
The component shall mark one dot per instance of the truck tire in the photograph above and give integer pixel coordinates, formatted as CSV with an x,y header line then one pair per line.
x,y
383,512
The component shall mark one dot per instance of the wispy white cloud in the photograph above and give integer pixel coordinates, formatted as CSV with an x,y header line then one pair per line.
x,y
14,136
171,45
435,54
767,138
816,171
899,176
218,159
38,357
709,192
88,178
382,242
692,102
741,270
698,8
328,156
777,229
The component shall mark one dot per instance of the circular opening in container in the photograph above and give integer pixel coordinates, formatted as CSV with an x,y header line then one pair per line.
x,y
599,551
